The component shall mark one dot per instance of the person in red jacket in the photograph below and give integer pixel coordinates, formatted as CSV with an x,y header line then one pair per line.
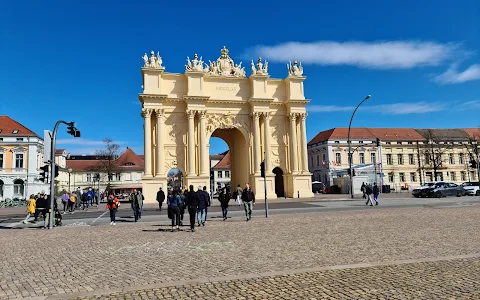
x,y
112,205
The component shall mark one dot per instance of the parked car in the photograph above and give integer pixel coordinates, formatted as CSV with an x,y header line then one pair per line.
x,y
422,192
444,189
471,188
318,187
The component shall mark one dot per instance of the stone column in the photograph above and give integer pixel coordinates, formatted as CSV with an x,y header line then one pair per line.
x,y
191,142
202,132
256,141
266,129
293,142
303,129
147,114
160,150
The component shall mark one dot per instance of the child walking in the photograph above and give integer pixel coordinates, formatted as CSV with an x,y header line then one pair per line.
x,y
112,205
32,203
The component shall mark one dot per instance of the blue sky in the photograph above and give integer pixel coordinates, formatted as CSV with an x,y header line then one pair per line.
x,y
80,60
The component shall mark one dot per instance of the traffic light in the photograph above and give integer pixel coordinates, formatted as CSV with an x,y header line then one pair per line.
x,y
55,171
211,175
72,130
44,173
473,164
262,169
378,142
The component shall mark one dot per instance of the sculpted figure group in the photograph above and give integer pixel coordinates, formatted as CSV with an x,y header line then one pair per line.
x,y
153,62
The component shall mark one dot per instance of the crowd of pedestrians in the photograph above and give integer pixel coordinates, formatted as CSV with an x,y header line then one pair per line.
x,y
370,193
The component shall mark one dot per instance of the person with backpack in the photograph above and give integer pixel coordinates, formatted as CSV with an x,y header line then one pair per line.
x,y
112,205
192,202
174,202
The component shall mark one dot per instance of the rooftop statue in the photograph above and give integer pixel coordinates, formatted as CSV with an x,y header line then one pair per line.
x,y
295,70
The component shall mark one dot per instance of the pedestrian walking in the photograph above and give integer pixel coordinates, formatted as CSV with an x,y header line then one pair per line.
x,y
362,188
160,198
248,198
137,204
208,202
30,208
41,206
174,202
192,203
376,191
239,195
84,200
71,203
78,193
112,206
90,198
224,198
368,192
203,200
65,198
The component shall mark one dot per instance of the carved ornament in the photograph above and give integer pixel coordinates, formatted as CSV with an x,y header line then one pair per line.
x,y
191,113
224,121
154,62
159,112
146,112
295,70
223,66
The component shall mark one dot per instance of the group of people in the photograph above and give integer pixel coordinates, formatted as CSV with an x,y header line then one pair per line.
x,y
198,202
40,204
370,193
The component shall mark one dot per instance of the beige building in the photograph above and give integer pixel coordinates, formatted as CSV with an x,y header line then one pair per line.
x,y
260,118
405,157
220,170
20,159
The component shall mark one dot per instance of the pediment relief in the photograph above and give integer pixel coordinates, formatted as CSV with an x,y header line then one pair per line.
x,y
19,149
225,121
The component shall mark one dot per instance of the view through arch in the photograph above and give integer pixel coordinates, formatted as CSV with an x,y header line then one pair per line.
x,y
175,179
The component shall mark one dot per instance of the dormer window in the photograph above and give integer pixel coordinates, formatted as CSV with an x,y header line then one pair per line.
x,y
0,130
15,131
129,164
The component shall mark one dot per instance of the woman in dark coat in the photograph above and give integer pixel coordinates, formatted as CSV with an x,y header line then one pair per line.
x,y
224,198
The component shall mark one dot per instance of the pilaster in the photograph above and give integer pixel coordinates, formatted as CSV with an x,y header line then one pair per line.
x,y
256,141
293,143
160,148
303,130
267,134
204,167
191,142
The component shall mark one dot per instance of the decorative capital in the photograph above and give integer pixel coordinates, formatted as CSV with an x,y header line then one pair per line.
x,y
266,116
292,117
146,112
159,112
256,115
191,114
302,116
202,114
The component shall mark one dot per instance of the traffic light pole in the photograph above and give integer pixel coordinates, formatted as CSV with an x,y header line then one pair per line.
x,y
52,170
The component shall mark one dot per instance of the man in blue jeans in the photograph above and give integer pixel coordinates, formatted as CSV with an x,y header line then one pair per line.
x,y
248,198
201,206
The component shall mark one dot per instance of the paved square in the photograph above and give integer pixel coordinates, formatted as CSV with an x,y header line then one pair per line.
x,y
76,261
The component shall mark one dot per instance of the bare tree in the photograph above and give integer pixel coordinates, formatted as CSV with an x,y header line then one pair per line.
x,y
472,148
107,157
433,151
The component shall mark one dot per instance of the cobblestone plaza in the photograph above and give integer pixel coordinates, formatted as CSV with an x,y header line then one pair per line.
x,y
411,253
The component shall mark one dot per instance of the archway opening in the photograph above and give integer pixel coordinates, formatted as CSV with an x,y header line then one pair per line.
x,y
175,179
279,182
229,160
18,188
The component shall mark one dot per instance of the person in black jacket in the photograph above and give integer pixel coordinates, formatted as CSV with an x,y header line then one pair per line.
x,y
208,203
160,198
248,198
41,206
224,198
192,202
203,200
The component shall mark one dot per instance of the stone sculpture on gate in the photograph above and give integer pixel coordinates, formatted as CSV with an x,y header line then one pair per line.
x,y
261,68
295,70
154,61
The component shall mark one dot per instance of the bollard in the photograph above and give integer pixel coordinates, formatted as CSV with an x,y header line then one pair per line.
x,y
298,194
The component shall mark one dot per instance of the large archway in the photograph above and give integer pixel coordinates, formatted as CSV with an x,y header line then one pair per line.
x,y
279,182
234,166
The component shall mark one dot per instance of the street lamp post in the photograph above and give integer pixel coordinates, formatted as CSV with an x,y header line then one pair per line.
x,y
350,158
69,173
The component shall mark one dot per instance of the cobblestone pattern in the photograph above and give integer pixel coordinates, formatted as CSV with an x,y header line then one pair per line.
x,y
71,260
454,279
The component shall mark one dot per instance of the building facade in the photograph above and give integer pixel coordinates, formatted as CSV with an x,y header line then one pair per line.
x,y
220,171
260,118
21,155
403,158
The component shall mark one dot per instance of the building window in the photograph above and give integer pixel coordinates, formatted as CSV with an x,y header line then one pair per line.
x,y
427,158
400,159
389,159
18,188
462,176
318,160
410,143
360,142
460,159
390,177
324,158
311,160
402,177
399,143
412,177
361,158
337,142
452,176
118,176
227,174
373,158
338,158
19,161
89,177
219,174
411,159
19,139
1,160
472,175
450,159
388,143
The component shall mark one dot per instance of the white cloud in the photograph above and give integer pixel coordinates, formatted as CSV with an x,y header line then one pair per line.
x,y
452,75
84,142
376,55
386,109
